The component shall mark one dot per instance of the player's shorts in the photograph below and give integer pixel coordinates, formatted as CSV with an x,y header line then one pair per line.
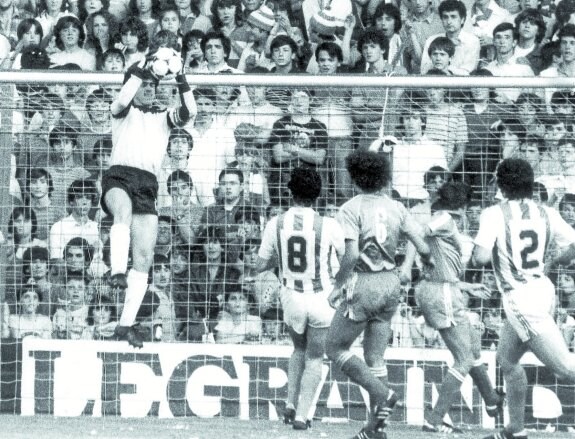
x,y
371,296
306,309
442,304
141,186
529,308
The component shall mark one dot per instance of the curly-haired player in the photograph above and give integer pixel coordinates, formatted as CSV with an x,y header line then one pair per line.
x,y
303,242
516,235
367,287
140,133
443,304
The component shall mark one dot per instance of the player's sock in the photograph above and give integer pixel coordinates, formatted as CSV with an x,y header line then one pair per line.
x,y
447,395
137,286
516,387
310,380
295,371
381,374
119,248
481,379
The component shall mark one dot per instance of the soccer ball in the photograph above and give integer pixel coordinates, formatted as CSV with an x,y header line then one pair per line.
x,y
166,61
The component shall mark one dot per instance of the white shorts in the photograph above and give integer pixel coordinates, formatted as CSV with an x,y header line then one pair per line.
x,y
306,309
530,308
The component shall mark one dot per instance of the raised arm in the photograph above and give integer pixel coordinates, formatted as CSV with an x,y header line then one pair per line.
x,y
187,109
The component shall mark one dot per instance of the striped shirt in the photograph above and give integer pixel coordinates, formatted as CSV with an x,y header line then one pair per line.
x,y
303,242
445,247
376,222
519,233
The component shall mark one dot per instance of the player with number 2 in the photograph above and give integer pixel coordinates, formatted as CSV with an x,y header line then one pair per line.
x,y
301,243
515,235
367,288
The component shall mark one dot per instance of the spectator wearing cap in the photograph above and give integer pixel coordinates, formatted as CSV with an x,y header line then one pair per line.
x,y
506,62
485,16
297,139
453,14
214,148
259,23
70,37
566,67
82,196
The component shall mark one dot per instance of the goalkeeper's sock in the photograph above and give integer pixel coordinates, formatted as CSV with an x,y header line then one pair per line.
x,y
137,287
119,248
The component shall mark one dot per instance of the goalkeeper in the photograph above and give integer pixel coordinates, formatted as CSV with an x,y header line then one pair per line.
x,y
140,133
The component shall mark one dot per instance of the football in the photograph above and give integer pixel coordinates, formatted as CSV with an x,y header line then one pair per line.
x,y
166,61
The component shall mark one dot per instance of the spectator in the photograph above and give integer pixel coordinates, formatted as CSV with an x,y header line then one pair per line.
x,y
531,26
180,145
555,131
36,270
493,322
38,188
212,275
29,322
216,48
333,110
387,18
113,60
566,67
169,22
413,155
102,151
10,18
567,208
192,55
506,62
283,52
403,324
134,40
446,125
466,56
563,103
227,19
422,21
486,15
22,227
70,38
567,161
214,148
531,150
97,124
441,51
101,32
297,139
530,108
78,257
102,319
566,288
259,23
148,12
472,214
191,18
89,7
165,314
71,319
274,331
29,33
236,324
82,196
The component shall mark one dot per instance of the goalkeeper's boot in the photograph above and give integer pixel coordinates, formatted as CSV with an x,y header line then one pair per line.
x,y
496,410
130,334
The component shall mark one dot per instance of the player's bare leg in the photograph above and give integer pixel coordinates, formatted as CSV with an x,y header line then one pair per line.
x,y
295,371
457,340
119,205
509,352
144,232
342,333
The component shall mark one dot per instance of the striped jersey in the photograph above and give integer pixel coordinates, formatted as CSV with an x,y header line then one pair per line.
x,y
519,234
376,222
304,243
445,247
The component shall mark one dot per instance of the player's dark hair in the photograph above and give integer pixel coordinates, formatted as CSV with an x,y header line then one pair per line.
x,y
540,189
369,170
515,178
304,185
452,195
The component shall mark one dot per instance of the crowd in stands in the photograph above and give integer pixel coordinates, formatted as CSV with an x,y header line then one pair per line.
x,y
224,175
